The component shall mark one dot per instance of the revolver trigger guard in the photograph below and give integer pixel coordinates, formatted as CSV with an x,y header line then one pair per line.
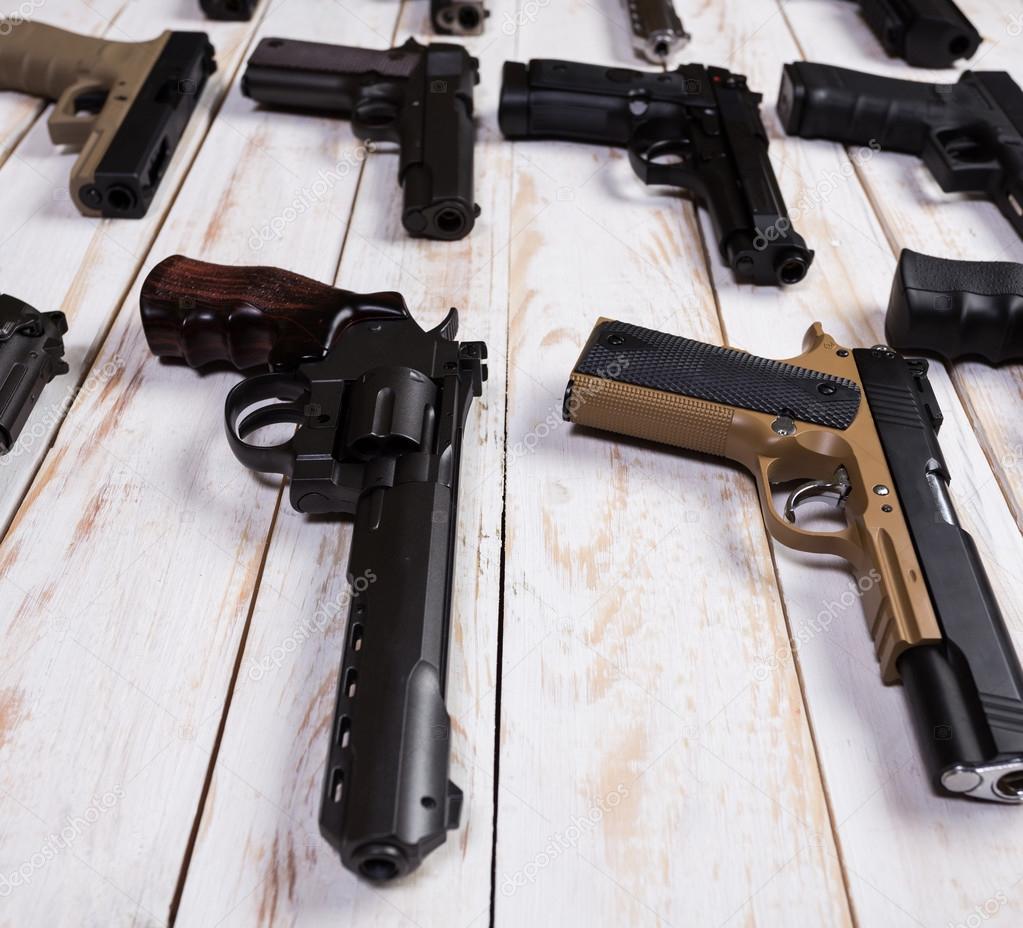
x,y
267,459
643,158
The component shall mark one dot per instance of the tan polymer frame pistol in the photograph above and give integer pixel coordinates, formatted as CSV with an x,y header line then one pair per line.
x,y
859,426
123,105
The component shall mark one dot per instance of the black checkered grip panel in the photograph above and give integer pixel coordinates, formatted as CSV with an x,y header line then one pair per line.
x,y
631,354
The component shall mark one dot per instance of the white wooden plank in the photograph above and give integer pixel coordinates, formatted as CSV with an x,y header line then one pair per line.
x,y
267,782
54,258
646,778
893,833
130,568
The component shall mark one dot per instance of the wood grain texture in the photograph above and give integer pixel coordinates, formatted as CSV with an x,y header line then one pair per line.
x,y
55,259
637,742
869,758
287,874
663,759
160,535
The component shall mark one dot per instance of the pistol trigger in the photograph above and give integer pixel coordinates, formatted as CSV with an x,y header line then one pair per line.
x,y
838,489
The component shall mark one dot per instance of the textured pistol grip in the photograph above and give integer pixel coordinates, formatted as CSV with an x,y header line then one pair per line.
x,y
653,415
249,316
45,61
819,101
957,308
681,392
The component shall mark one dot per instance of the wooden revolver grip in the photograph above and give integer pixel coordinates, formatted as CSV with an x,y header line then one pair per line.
x,y
249,315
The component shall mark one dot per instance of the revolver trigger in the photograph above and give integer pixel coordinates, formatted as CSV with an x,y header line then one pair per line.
x,y
838,489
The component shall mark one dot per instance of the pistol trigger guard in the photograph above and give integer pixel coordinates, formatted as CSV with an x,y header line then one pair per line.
x,y
65,125
643,158
841,543
267,459
960,159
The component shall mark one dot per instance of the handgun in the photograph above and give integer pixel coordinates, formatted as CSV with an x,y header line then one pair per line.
x,y
924,33
957,309
380,408
123,105
657,32
696,127
857,427
31,355
969,134
417,96
458,17
232,10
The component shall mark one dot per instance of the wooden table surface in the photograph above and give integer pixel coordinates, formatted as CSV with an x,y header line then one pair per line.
x,y
660,717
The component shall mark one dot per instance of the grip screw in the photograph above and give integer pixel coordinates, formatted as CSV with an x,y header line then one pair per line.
x,y
616,340
880,489
828,389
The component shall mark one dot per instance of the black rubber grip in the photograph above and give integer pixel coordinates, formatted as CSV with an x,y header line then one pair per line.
x,y
672,364
957,309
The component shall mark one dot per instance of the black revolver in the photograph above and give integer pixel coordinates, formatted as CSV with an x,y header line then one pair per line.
x,y
417,96
969,134
695,127
380,407
925,33
31,355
